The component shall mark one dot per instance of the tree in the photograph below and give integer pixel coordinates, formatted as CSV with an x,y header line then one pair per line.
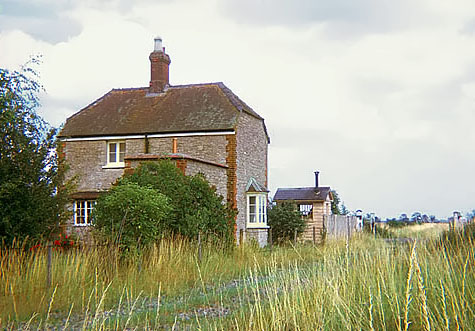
x,y
31,176
285,219
131,215
195,206
335,203
344,210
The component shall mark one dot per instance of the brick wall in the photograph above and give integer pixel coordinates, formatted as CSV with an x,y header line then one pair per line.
x,y
251,144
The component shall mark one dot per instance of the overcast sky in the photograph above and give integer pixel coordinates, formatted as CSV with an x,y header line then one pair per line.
x,y
377,95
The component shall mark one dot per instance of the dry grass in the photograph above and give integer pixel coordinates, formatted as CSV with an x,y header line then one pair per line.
x,y
371,286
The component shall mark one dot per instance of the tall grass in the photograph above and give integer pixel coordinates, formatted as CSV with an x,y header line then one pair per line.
x,y
81,276
407,288
371,286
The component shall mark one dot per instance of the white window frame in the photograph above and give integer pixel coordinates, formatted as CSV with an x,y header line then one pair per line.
x,y
260,208
116,150
83,212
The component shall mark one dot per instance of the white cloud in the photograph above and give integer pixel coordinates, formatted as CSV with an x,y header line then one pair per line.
x,y
385,112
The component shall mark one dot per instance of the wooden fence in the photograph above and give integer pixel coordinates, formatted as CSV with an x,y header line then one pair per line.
x,y
341,226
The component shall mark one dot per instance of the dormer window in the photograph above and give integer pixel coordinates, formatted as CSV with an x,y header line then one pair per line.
x,y
116,154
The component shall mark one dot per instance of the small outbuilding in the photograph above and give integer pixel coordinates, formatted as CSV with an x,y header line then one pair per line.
x,y
314,203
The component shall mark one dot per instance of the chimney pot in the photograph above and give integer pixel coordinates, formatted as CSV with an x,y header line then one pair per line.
x,y
157,47
316,178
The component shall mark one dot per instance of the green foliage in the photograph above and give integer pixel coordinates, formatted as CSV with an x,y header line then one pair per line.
x,y
335,203
284,219
396,224
131,215
32,197
195,206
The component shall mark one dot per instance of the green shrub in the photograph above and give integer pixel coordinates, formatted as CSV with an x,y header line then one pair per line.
x,y
285,219
131,215
195,206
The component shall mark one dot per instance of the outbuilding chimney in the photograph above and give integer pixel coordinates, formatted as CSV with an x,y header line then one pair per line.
x,y
159,63
316,178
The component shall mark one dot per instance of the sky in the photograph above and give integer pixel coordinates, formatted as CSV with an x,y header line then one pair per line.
x,y
377,95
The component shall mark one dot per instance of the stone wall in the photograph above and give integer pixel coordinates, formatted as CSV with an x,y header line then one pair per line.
x,y
85,160
215,175
244,153
251,154
210,148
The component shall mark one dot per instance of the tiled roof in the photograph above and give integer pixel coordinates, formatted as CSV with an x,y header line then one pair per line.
x,y
185,108
302,193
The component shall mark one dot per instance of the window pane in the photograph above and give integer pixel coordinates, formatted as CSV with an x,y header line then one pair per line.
x,y
112,152
252,209
80,212
90,206
262,205
121,152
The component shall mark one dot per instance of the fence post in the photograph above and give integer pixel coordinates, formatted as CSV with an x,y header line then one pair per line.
x,y
241,233
48,266
199,246
347,231
269,235
295,237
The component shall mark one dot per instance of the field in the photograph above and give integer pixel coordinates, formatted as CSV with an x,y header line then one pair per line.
x,y
369,284
421,231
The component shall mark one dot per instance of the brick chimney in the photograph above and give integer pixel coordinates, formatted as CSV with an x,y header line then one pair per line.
x,y
159,63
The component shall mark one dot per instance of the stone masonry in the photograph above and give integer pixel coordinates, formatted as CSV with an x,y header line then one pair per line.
x,y
251,151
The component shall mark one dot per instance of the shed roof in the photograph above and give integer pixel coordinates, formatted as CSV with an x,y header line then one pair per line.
x,y
208,107
302,194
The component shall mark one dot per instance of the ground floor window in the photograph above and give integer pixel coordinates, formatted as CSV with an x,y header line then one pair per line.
x,y
257,209
83,212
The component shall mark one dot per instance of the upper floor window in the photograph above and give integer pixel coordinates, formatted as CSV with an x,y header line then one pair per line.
x,y
256,210
83,212
116,153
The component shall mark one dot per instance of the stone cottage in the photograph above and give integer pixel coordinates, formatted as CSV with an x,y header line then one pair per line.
x,y
204,128
314,203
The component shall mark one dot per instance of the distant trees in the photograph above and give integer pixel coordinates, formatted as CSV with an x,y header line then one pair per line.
x,y
31,175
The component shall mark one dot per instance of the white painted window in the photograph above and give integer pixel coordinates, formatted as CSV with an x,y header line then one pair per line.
x,y
115,153
83,212
256,210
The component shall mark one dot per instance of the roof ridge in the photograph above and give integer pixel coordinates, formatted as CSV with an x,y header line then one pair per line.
x,y
195,84
301,188
128,88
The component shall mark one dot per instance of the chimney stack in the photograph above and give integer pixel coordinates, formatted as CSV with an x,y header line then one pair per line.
x,y
159,63
316,178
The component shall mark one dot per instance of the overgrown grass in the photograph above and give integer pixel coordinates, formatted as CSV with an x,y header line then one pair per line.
x,y
370,286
